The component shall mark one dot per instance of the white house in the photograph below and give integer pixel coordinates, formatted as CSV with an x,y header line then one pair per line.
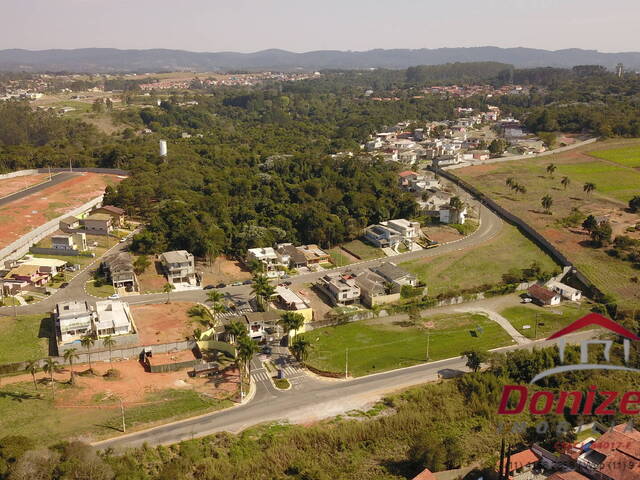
x,y
112,318
448,214
274,263
73,319
567,292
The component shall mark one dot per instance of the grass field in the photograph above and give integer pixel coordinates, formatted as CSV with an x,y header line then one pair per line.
x,y
25,411
627,156
377,345
104,290
362,250
24,338
615,184
549,320
481,265
339,258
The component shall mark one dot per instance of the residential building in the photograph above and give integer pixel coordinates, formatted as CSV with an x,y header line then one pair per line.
x,y
565,291
73,319
287,299
76,241
449,214
373,289
341,288
116,213
296,258
31,274
313,254
98,224
614,456
543,295
521,464
119,269
425,475
50,266
393,274
179,267
414,182
274,264
112,318
69,223
392,232
260,325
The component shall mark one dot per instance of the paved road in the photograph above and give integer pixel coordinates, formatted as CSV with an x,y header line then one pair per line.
x,y
56,179
318,399
490,226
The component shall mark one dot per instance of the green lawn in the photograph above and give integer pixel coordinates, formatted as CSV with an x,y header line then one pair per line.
x,y
24,338
25,411
377,345
481,265
339,258
620,183
104,290
10,301
363,251
550,319
627,156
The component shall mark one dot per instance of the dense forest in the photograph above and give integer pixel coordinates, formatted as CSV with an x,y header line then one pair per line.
x,y
435,426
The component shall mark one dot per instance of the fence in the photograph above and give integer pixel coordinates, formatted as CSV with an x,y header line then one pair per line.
x,y
19,173
58,251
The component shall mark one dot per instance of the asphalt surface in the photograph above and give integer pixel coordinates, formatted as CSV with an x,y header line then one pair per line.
x,y
314,399
55,180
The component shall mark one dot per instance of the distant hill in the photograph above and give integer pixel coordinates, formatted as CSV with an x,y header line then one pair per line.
x,y
103,60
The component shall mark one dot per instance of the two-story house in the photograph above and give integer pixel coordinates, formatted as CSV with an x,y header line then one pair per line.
x,y
73,319
179,267
119,269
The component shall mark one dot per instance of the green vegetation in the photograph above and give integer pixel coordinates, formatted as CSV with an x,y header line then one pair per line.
x,y
362,250
618,182
99,286
465,229
10,301
627,156
549,320
282,383
378,345
489,262
26,336
339,258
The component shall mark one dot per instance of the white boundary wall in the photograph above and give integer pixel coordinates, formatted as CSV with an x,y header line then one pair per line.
x,y
20,173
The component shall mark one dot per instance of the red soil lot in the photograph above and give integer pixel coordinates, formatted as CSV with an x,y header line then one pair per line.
x,y
13,185
162,322
23,215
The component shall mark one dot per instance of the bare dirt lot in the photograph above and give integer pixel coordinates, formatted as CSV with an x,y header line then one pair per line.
x,y
163,323
13,185
222,270
25,214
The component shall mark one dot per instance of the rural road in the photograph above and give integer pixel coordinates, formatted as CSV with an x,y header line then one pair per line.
x,y
56,179
490,226
314,399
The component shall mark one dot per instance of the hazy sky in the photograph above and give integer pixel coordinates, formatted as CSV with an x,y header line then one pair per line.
x,y
302,25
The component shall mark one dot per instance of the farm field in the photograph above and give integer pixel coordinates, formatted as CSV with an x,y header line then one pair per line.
x,y
9,186
380,344
23,215
627,156
487,262
615,184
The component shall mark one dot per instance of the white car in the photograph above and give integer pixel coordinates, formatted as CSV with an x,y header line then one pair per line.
x,y
115,296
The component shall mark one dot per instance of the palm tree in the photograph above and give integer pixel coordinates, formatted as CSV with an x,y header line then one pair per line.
x,y
565,182
547,202
588,187
267,293
33,367
300,349
109,343
291,321
69,356
87,342
235,330
550,169
51,367
167,289
219,308
510,182
260,283
214,296
245,351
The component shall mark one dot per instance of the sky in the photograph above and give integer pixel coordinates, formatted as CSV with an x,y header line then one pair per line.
x,y
304,25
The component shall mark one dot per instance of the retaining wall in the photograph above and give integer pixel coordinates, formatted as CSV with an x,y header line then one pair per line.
x,y
57,252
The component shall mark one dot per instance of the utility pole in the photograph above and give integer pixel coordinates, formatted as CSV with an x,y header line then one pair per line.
x,y
124,426
49,167
346,363
535,328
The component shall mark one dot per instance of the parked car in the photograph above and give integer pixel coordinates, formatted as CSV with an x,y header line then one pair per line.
x,y
267,350
65,284
527,300
221,285
236,284
208,287
115,296
247,282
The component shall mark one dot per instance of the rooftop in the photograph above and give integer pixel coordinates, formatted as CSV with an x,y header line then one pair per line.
x,y
541,293
390,271
99,216
176,256
112,314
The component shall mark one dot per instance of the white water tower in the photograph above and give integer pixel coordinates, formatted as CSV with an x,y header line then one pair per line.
x,y
163,148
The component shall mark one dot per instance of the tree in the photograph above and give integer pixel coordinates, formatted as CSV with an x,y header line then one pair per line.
x,y
235,330
218,308
32,367
565,182
214,296
551,168
588,187
69,356
497,146
141,264
601,234
510,182
88,342
475,358
456,203
167,287
547,202
51,366
590,223
245,350
300,349
109,342
291,321
634,204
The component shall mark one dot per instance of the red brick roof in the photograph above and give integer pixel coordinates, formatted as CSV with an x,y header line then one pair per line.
x,y
521,459
112,209
622,450
406,173
540,293
567,476
425,475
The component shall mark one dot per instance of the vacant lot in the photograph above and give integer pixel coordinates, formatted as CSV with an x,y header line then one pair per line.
x,y
163,323
379,344
549,320
615,184
24,338
222,270
362,250
481,265
627,156
23,215
15,184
